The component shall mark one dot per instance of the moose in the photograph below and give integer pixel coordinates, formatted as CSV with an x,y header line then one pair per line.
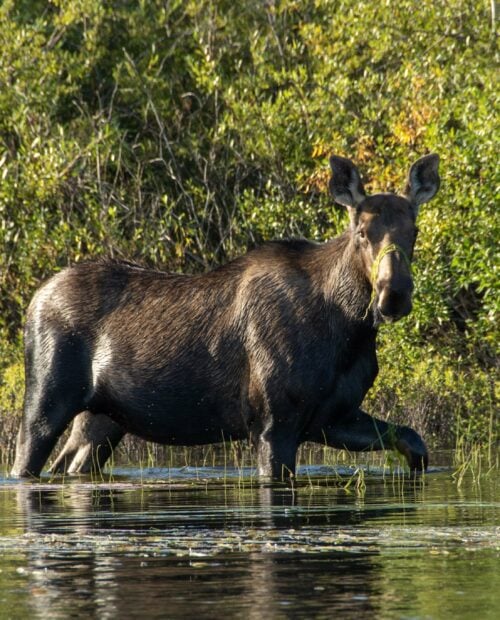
x,y
277,346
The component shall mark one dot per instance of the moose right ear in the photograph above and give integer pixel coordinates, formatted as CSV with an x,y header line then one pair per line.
x,y
345,184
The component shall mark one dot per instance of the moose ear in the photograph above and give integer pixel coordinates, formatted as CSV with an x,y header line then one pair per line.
x,y
345,184
423,180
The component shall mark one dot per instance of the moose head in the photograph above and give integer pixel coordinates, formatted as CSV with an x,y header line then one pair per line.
x,y
383,231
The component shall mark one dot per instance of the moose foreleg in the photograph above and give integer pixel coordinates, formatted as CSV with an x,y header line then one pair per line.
x,y
361,432
276,455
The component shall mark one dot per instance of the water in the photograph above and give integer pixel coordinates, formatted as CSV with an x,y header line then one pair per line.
x,y
212,543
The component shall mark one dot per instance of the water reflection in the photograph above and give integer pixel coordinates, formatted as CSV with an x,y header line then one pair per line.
x,y
241,550
89,508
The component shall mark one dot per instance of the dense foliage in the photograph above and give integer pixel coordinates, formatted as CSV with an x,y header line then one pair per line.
x,y
179,133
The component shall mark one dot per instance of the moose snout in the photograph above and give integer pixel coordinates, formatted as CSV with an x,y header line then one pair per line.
x,y
394,299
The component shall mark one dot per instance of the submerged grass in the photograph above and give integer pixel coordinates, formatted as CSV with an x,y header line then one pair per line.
x,y
233,465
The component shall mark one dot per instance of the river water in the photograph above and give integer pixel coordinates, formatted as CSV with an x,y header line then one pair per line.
x,y
214,543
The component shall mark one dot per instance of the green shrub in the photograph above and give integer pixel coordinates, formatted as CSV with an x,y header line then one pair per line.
x,y
11,398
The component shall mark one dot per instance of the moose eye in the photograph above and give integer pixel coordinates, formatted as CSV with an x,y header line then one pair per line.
x,y
361,234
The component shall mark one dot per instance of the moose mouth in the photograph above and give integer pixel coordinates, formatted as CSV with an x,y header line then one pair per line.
x,y
391,315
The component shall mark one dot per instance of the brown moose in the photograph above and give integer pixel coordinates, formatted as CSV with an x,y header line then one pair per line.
x,y
277,346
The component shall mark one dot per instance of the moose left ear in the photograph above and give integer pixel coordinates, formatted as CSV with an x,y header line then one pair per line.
x,y
423,180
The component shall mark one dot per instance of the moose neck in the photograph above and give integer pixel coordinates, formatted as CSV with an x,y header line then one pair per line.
x,y
344,284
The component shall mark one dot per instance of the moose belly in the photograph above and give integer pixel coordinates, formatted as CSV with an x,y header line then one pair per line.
x,y
172,413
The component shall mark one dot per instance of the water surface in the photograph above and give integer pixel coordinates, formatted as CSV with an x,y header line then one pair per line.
x,y
213,542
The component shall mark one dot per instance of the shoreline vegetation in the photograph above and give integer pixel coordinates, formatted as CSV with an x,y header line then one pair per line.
x,y
181,134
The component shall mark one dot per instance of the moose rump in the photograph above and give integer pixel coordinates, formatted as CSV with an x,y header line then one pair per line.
x,y
277,346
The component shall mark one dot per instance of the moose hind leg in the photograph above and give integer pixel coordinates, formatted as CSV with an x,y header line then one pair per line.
x,y
359,431
57,388
91,442
38,434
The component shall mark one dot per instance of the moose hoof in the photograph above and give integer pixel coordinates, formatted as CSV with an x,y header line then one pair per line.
x,y
414,450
